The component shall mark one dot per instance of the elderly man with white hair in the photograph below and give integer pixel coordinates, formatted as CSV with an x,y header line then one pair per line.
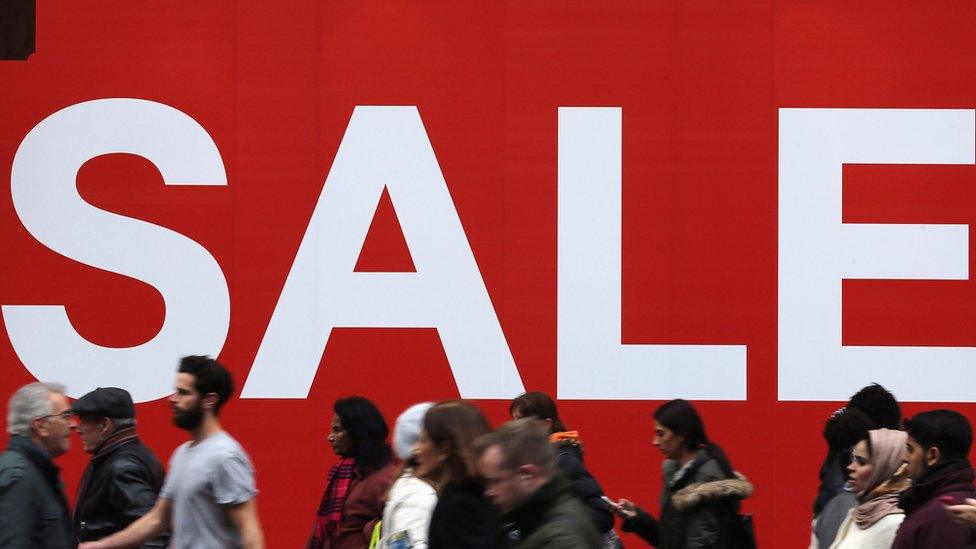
x,y
33,507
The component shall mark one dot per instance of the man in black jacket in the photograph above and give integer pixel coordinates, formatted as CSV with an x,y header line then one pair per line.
x,y
123,477
33,508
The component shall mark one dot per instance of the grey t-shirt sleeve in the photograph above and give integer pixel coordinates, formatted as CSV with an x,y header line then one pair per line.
x,y
167,491
232,479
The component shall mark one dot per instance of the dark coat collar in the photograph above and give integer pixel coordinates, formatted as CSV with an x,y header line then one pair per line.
x,y
950,476
116,440
531,513
36,455
42,460
682,476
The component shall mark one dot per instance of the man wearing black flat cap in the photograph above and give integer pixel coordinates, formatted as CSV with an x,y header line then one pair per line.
x,y
123,477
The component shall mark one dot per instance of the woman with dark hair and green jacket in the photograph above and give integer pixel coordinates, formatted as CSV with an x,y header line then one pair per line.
x,y
701,495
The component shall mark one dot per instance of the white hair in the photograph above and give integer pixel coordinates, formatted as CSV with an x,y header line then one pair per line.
x,y
29,403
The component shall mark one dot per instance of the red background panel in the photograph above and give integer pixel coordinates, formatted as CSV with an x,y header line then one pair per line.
x,y
699,84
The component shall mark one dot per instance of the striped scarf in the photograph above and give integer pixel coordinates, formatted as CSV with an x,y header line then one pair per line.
x,y
333,503
116,439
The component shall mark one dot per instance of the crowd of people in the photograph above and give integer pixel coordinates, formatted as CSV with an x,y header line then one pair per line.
x,y
446,479
888,482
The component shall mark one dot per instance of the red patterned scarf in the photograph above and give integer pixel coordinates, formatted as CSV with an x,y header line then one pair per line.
x,y
333,503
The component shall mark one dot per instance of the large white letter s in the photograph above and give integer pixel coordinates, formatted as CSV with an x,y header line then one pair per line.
x,y
186,274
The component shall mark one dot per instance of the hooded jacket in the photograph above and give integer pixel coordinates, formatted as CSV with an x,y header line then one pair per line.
x,y
698,504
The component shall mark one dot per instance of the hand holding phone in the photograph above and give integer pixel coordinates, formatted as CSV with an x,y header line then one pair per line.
x,y
613,504
624,508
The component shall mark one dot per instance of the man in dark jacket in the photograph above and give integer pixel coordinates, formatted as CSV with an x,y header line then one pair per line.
x,y
938,443
123,477
519,469
33,507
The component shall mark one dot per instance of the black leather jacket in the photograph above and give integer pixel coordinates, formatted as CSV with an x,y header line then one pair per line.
x,y
119,486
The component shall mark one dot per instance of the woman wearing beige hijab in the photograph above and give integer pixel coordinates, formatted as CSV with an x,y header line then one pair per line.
x,y
878,475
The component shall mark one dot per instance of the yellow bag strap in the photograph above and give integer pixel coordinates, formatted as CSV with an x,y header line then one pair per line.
x,y
374,540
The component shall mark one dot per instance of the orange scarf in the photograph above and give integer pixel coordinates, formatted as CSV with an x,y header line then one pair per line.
x,y
564,435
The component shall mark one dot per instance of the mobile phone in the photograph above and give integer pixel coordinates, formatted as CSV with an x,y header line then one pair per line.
x,y
948,500
611,503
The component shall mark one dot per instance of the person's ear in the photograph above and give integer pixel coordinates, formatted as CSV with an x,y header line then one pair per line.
x,y
39,427
528,472
932,456
209,401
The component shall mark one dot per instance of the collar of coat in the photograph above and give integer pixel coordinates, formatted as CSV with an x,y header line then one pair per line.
x,y
115,441
42,460
950,476
528,514
36,455
700,492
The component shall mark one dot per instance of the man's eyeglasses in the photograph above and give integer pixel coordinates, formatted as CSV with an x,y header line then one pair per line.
x,y
67,415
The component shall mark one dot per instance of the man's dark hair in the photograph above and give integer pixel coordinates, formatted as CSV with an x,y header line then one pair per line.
x,y
878,404
522,442
366,428
842,431
846,428
210,376
946,430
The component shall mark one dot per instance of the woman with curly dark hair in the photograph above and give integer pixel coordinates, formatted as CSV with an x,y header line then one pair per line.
x,y
353,500
463,517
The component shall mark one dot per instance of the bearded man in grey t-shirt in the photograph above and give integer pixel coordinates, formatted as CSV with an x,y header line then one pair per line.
x,y
209,498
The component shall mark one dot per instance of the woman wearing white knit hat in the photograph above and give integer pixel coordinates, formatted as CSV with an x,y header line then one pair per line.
x,y
411,500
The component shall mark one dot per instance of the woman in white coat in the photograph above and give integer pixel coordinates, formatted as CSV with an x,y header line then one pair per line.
x,y
878,475
411,500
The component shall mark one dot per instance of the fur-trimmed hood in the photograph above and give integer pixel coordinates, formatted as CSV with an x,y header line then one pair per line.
x,y
699,492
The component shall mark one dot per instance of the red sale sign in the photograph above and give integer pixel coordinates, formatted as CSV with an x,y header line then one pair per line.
x,y
761,207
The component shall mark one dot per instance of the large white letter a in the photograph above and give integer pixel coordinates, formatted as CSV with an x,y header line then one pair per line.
x,y
384,146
